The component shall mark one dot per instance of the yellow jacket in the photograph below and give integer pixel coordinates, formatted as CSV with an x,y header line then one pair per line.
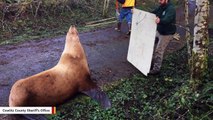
x,y
129,3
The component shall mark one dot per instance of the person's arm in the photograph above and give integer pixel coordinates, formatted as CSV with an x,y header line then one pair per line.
x,y
116,5
155,10
117,9
143,2
169,16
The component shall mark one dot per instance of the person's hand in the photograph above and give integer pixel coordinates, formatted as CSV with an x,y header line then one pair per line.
x,y
157,20
117,12
143,3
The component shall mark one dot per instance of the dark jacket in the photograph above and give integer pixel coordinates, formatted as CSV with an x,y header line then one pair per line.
x,y
167,15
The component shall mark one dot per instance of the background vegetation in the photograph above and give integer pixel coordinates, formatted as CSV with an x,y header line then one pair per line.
x,y
22,20
166,96
29,19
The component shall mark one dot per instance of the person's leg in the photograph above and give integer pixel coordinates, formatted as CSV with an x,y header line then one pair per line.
x,y
159,52
121,17
129,20
118,28
118,20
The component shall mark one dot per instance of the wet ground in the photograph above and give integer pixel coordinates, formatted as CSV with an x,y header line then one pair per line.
x,y
106,52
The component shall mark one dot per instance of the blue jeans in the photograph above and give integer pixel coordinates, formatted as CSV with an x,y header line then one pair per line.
x,y
126,12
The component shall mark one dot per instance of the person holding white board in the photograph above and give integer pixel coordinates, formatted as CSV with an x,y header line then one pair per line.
x,y
165,19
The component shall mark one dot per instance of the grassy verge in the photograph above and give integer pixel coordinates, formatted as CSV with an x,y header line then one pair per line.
x,y
165,96
31,20
46,33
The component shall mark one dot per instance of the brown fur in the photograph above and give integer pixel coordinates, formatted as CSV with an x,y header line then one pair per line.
x,y
54,86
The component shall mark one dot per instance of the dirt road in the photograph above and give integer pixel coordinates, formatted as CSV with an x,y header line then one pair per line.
x,y
106,52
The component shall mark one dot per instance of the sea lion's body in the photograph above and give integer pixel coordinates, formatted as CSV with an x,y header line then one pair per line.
x,y
54,86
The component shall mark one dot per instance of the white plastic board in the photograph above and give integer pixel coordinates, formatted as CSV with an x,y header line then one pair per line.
x,y
142,40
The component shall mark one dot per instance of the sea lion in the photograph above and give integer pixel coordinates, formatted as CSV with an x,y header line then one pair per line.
x,y
56,85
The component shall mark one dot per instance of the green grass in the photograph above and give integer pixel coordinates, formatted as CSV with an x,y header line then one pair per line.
x,y
47,33
51,21
164,96
42,29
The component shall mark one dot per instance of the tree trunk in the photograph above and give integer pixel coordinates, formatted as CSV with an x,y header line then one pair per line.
x,y
106,7
188,36
200,43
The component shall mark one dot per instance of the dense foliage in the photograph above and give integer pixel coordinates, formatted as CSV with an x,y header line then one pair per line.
x,y
30,19
22,20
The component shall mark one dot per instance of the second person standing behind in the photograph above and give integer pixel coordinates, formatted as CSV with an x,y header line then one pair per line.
x,y
166,20
125,12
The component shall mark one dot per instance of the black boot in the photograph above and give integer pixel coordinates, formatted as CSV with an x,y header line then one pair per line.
x,y
129,29
118,28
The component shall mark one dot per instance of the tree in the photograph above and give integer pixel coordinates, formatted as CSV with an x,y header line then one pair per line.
x,y
187,36
200,43
106,6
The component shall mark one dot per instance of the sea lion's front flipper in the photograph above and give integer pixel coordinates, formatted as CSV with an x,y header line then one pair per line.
x,y
99,95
